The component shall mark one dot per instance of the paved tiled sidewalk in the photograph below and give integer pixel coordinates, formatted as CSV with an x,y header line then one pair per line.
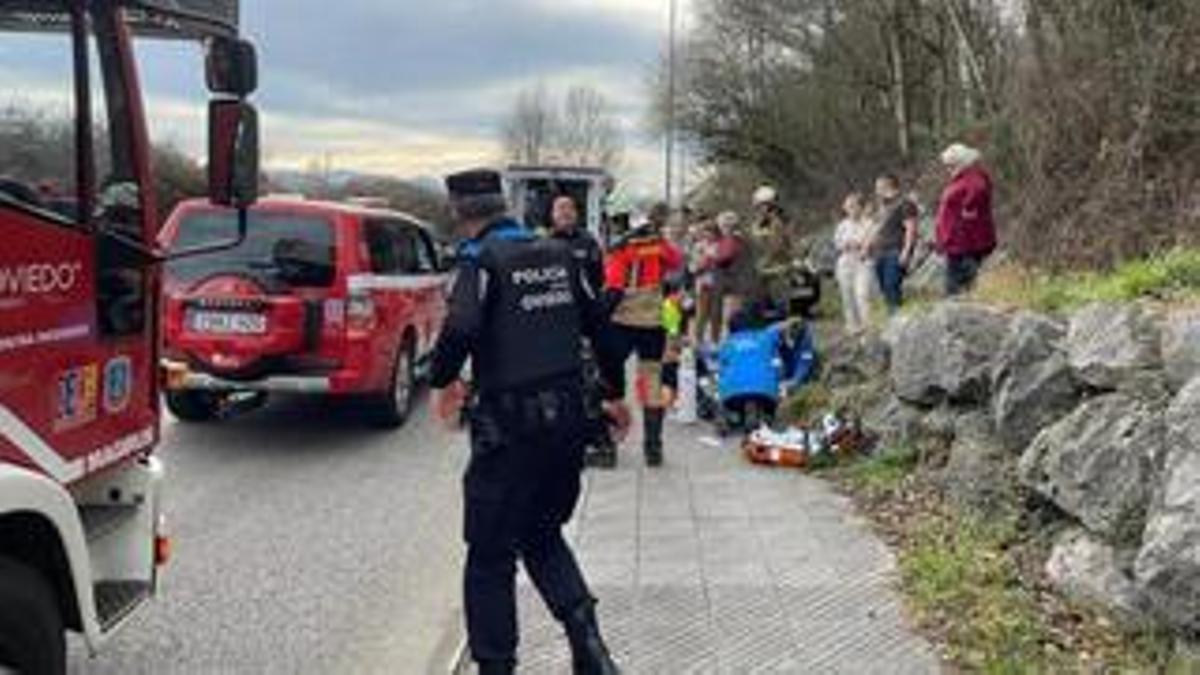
x,y
710,565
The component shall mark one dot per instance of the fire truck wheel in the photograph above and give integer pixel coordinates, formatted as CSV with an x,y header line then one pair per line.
x,y
31,628
193,406
395,406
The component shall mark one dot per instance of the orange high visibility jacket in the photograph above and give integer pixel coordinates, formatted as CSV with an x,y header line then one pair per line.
x,y
636,269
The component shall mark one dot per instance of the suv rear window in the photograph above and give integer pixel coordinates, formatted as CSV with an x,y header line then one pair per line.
x,y
295,250
398,247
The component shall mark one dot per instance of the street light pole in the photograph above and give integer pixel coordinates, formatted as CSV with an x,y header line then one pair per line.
x,y
670,149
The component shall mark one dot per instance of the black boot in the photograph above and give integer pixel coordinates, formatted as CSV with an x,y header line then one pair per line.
x,y
589,654
652,427
497,667
603,455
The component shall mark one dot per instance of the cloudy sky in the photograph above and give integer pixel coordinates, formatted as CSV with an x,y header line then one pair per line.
x,y
406,87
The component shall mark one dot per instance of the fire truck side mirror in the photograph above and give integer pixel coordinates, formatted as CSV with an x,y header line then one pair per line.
x,y
233,153
231,67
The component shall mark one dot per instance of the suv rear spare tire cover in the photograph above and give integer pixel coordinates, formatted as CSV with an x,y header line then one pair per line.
x,y
237,355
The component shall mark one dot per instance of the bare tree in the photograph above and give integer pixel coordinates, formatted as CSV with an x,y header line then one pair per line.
x,y
530,129
586,131
1085,110
590,134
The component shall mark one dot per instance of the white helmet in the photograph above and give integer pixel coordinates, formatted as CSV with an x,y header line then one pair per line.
x,y
765,195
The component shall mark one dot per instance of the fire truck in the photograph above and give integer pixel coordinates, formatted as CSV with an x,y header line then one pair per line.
x,y
82,538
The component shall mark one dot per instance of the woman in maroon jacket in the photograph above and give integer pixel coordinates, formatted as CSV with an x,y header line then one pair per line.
x,y
966,231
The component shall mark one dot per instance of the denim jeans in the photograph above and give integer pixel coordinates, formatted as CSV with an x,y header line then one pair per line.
x,y
961,271
891,280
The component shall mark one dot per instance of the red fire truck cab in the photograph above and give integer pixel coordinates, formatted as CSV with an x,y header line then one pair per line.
x,y
81,537
321,298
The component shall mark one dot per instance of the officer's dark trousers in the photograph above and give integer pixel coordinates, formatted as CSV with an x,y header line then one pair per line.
x,y
520,489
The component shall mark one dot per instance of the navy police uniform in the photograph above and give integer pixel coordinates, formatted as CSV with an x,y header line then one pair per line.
x,y
602,450
587,254
519,310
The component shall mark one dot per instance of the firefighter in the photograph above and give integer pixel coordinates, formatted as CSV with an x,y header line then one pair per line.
x,y
519,310
635,271
773,244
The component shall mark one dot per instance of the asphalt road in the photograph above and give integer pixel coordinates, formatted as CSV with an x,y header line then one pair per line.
x,y
305,542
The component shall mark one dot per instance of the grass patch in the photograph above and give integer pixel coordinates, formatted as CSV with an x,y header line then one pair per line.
x,y
883,473
975,585
806,405
959,579
970,581
1173,276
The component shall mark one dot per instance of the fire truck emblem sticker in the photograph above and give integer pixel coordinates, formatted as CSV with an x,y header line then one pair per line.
x,y
118,384
76,393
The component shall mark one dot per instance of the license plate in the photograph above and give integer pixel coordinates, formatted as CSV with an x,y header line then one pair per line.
x,y
227,323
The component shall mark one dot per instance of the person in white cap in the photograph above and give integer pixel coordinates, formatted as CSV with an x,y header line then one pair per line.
x,y
966,228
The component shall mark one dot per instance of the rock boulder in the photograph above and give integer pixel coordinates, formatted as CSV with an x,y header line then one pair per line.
x,y
1108,344
1031,380
1093,573
855,361
946,355
980,474
1100,464
1181,347
1168,566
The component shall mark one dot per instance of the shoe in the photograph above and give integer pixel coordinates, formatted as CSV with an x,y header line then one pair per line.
x,y
603,457
589,654
652,444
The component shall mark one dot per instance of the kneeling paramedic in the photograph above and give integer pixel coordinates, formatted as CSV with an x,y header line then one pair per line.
x,y
519,311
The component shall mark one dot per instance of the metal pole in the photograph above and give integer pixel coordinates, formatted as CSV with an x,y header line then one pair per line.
x,y
670,150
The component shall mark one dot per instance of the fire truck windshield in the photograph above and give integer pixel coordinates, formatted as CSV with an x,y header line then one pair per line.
x,y
296,250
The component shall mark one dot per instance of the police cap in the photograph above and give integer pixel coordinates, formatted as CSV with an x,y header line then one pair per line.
x,y
474,183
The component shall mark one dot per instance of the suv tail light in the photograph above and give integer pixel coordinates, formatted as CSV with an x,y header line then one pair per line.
x,y
360,313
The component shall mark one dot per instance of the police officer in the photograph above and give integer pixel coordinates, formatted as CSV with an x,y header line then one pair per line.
x,y
518,311
635,273
564,224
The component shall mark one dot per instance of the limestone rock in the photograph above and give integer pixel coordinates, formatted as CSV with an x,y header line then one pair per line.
x,y
946,355
1100,464
1031,380
1168,566
1181,347
1108,343
1092,572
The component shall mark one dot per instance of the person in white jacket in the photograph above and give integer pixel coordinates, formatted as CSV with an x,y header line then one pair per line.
x,y
855,273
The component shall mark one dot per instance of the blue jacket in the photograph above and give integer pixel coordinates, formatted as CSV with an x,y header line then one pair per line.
x,y
756,362
749,364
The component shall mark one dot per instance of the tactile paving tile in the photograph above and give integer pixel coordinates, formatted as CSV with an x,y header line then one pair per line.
x,y
712,566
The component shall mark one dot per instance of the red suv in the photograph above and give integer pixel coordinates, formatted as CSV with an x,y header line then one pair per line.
x,y
322,298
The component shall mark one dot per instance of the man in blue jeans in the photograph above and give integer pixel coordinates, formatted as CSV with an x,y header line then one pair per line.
x,y
895,241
